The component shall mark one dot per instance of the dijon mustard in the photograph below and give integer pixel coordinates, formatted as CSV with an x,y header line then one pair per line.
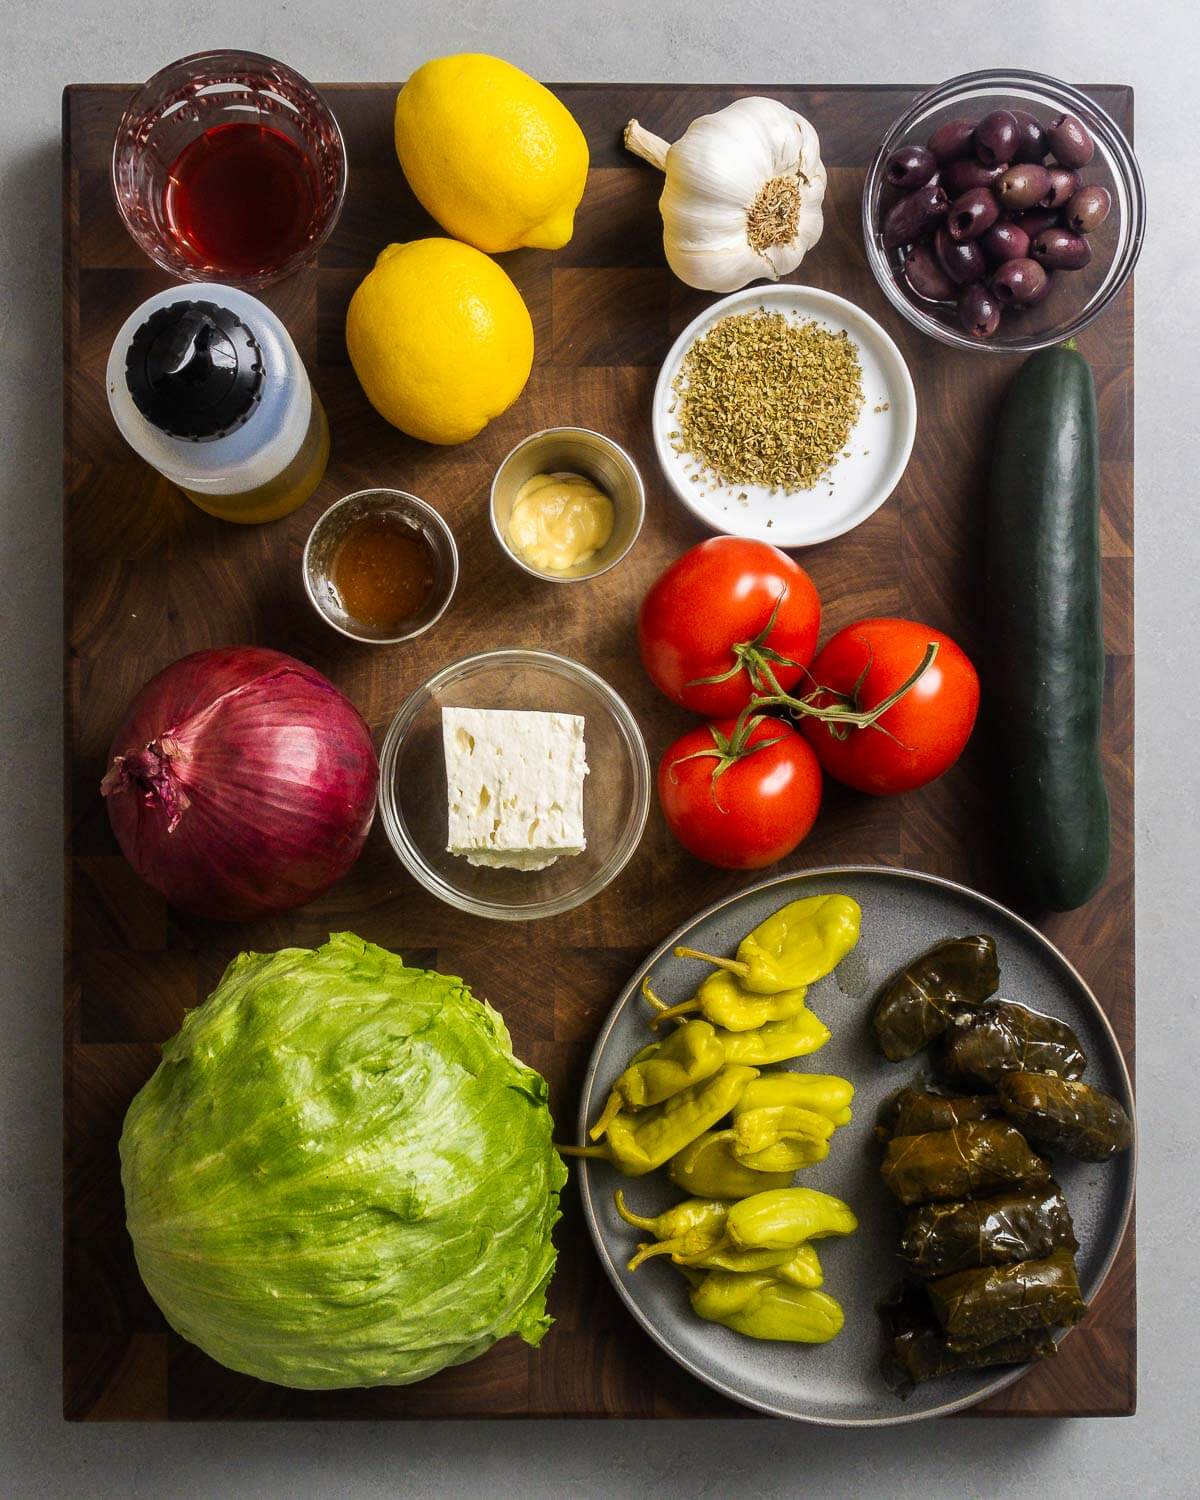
x,y
559,520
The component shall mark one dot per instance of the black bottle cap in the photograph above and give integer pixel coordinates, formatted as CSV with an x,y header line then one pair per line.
x,y
194,370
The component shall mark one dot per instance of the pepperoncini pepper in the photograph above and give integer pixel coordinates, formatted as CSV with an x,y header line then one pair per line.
x,y
799,944
786,1217
824,1092
780,1137
802,1269
638,1141
722,1000
689,1055
763,1307
708,1168
777,1041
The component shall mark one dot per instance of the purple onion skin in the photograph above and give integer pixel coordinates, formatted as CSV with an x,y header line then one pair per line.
x,y
962,260
241,782
953,140
1005,241
961,176
978,311
972,214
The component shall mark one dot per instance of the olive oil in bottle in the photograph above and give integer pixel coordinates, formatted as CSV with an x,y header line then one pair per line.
x,y
208,387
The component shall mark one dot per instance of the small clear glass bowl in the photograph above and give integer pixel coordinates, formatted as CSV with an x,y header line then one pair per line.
x,y
412,783
1076,297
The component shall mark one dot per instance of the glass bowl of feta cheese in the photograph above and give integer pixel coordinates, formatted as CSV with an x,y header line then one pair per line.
x,y
514,784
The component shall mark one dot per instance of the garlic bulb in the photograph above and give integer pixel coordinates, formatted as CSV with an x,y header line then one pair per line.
x,y
743,193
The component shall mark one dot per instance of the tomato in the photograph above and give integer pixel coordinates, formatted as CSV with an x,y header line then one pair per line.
x,y
761,803
926,729
714,599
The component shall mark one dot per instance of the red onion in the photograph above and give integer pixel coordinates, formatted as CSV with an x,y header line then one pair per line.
x,y
241,782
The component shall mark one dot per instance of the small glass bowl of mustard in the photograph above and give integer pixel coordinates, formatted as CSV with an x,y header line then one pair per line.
x,y
567,504
380,566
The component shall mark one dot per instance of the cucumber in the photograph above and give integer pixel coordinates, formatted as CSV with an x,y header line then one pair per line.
x,y
1044,664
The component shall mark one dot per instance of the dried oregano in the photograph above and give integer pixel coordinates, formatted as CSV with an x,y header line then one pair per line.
x,y
762,400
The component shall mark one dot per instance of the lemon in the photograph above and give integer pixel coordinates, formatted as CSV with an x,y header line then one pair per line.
x,y
439,338
491,154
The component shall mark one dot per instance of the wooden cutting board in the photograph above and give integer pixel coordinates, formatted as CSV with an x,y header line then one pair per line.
x,y
149,577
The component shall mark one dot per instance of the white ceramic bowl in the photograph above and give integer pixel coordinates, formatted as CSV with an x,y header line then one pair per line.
x,y
856,487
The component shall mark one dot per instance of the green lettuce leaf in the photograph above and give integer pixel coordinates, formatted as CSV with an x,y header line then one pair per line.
x,y
340,1175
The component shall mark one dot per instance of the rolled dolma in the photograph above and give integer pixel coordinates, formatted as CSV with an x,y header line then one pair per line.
x,y
980,1307
926,1354
1003,1037
913,1111
974,1157
1017,1224
1063,1114
916,1005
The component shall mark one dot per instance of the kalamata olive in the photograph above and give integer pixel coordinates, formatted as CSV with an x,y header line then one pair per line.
x,y
961,176
962,260
1005,241
1035,298
1031,137
1034,220
1018,281
954,139
1060,250
1070,142
908,218
978,311
996,137
971,214
1088,209
926,277
910,167
1063,185
1022,186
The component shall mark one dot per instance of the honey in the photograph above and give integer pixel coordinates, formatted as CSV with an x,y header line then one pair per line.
x,y
383,571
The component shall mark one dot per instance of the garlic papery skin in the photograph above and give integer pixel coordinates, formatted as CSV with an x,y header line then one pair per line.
x,y
743,194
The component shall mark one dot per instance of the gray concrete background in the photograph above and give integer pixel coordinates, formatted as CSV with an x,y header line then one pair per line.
x,y
48,43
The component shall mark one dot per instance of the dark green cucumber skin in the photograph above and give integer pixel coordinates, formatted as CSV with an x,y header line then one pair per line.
x,y
1044,672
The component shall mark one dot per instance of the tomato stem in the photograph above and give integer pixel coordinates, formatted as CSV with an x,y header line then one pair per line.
x,y
728,749
841,717
753,657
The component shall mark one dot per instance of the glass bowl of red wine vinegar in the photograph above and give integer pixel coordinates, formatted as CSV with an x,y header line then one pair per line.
x,y
229,166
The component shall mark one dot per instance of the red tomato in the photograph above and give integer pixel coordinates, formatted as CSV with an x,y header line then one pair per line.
x,y
715,598
926,729
759,807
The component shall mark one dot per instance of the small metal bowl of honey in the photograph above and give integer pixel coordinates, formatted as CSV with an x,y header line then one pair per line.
x,y
380,566
567,504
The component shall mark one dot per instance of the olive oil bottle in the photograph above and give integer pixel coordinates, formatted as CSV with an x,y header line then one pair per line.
x,y
210,390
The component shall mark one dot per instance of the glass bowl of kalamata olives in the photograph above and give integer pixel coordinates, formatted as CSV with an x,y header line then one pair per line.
x,y
1003,211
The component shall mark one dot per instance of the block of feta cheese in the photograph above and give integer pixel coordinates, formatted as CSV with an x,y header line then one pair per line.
x,y
514,782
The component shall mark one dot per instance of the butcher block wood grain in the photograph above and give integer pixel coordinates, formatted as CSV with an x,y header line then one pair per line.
x,y
149,577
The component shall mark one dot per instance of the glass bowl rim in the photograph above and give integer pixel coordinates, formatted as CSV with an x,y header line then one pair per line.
x,y
1125,164
299,257
394,824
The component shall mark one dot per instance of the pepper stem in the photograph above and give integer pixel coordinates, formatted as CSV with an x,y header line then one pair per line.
x,y
671,1012
591,1153
644,1252
639,1221
610,1109
647,145
734,965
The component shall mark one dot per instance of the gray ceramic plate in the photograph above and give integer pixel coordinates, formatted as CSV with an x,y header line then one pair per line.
x,y
903,914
